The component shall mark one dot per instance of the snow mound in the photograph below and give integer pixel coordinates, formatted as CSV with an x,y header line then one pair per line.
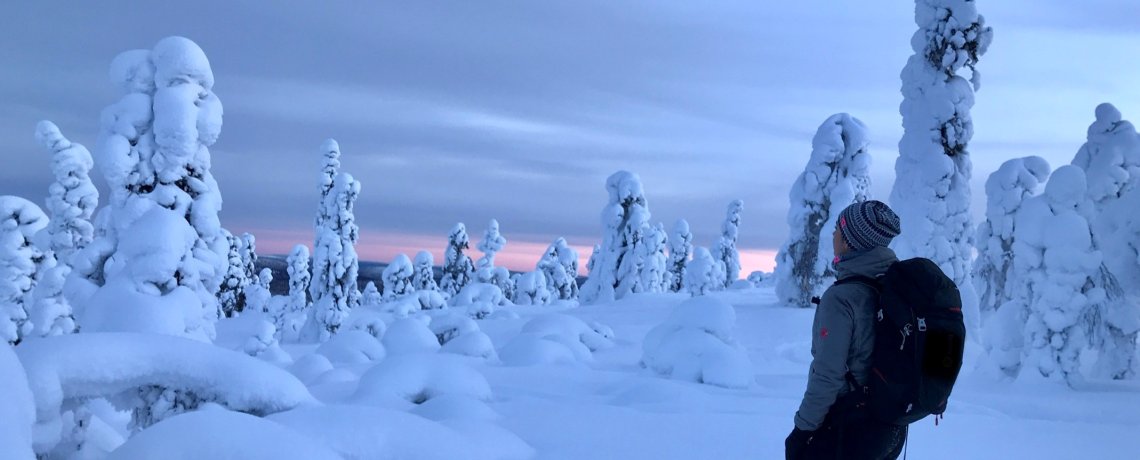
x,y
310,366
410,335
361,432
460,334
532,350
428,300
479,298
368,320
220,433
455,406
420,378
252,333
352,347
566,328
90,365
18,412
695,344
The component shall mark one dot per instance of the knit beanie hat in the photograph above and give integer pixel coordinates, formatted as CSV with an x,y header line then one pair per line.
x,y
868,224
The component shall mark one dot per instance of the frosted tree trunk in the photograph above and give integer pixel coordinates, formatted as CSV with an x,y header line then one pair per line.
x,y
931,193
837,174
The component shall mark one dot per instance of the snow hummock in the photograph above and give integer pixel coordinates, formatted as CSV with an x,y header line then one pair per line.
x,y
410,336
417,378
88,365
696,344
217,433
352,347
18,412
555,338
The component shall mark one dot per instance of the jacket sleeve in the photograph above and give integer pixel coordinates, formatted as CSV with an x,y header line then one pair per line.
x,y
831,339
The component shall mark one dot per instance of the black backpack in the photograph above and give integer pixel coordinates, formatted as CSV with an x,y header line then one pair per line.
x,y
919,337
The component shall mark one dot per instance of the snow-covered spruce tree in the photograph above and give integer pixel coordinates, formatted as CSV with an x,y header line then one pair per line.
x,y
931,193
492,243
701,274
232,289
837,174
1111,161
371,296
153,151
257,295
457,267
424,277
651,251
71,202
398,277
330,167
20,220
559,265
680,250
725,248
531,289
1006,189
247,251
335,264
298,267
1062,282
614,266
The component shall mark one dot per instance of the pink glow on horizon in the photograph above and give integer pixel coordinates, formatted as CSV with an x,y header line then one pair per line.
x,y
516,255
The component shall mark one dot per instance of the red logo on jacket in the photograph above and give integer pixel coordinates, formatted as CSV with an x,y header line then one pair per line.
x,y
823,332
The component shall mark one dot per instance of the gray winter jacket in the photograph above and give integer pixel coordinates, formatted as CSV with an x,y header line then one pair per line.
x,y
842,335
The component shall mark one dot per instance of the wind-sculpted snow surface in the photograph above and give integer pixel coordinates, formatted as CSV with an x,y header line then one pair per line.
x,y
696,344
93,365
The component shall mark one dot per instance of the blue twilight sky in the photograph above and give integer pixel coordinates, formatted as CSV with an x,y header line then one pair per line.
x,y
454,111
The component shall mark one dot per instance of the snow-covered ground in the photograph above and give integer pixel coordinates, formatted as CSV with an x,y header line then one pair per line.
x,y
562,382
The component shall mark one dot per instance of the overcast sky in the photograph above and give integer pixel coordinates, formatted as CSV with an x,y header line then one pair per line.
x,y
462,111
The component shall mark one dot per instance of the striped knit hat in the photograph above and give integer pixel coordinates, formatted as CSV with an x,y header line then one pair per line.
x,y
868,224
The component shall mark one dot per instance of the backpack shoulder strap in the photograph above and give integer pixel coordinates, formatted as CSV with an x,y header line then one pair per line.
x,y
860,279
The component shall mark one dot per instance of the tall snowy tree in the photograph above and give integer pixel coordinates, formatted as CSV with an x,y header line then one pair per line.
x,y
615,268
20,220
931,193
651,251
153,151
71,201
1110,158
702,274
299,277
398,277
330,167
680,250
492,243
838,173
424,277
257,295
457,267
725,248
335,264
232,289
559,267
1006,189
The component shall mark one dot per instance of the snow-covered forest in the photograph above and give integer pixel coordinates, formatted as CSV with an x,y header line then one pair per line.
x,y
138,325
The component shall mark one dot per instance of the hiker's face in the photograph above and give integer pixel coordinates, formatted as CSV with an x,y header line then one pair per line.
x,y
837,242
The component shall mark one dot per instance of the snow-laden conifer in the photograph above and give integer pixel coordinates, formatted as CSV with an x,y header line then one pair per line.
x,y
725,248
20,220
71,201
615,267
703,274
837,174
559,266
299,277
931,193
153,151
424,277
371,296
232,289
651,251
1006,190
457,266
335,264
680,250
398,277
492,243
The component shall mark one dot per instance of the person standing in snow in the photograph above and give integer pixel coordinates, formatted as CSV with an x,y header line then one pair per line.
x,y
827,424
